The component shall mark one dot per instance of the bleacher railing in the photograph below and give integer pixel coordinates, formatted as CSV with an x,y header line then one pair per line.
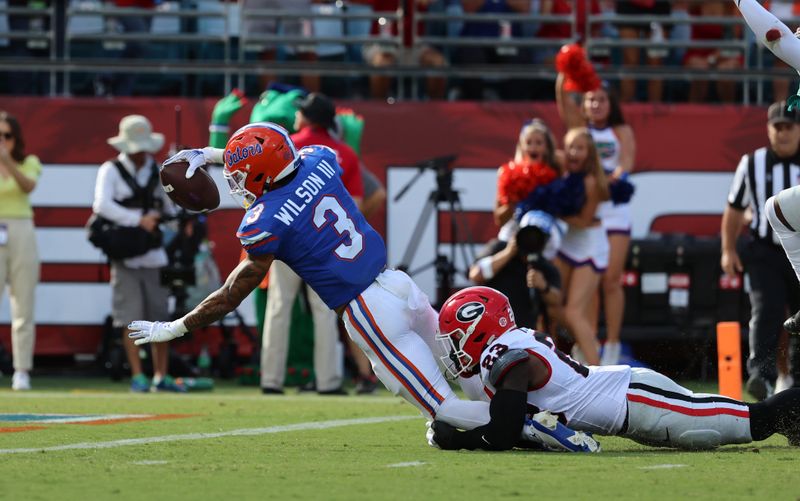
x,y
237,43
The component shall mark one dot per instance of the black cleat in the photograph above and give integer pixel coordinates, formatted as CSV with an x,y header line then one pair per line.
x,y
792,324
758,387
271,391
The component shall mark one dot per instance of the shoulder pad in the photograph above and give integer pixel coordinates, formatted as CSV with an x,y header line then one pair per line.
x,y
504,363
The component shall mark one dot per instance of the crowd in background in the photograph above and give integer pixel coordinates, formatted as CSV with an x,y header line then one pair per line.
x,y
393,45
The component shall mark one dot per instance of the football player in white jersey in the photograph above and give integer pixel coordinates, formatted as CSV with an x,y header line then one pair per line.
x,y
521,369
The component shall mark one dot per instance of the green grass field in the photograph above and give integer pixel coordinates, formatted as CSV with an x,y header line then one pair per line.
x,y
233,443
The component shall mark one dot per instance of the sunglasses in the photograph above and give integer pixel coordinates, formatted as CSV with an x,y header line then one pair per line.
x,y
8,136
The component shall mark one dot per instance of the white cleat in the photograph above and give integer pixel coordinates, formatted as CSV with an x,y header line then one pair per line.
x,y
21,381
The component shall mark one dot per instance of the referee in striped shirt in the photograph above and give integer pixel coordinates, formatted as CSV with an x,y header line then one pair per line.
x,y
773,286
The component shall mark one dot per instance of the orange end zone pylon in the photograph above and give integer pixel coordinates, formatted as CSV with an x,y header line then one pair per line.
x,y
729,353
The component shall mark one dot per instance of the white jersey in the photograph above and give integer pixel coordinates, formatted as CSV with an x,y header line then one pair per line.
x,y
589,398
608,147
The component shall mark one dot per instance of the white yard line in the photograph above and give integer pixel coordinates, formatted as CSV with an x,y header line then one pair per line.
x,y
124,395
405,465
314,425
662,466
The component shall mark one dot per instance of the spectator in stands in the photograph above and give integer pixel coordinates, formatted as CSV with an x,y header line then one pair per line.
x,y
314,120
773,288
521,269
601,112
493,52
29,82
655,31
121,84
128,193
290,27
385,53
562,30
583,254
19,259
705,59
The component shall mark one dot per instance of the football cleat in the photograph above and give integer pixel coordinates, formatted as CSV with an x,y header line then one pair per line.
x,y
544,428
792,324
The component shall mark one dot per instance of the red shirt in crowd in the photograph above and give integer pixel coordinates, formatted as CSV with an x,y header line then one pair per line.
x,y
347,158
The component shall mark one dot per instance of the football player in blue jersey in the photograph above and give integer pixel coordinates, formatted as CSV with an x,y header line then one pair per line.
x,y
299,212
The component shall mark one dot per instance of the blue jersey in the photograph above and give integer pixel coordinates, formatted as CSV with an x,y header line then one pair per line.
x,y
313,225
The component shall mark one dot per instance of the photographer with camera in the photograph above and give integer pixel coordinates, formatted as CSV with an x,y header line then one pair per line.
x,y
520,269
129,204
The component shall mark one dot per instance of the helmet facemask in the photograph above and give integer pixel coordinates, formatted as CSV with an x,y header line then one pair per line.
x,y
236,182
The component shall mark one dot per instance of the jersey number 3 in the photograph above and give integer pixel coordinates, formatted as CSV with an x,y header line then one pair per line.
x,y
342,224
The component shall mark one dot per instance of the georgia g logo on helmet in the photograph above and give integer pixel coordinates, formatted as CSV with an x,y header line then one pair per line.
x,y
470,312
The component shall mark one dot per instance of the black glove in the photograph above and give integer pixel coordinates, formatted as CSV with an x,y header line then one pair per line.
x,y
445,435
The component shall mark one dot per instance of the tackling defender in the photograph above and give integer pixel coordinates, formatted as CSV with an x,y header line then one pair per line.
x,y
521,368
298,211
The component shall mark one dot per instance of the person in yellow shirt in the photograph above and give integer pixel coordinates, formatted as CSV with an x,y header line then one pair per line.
x,y
19,259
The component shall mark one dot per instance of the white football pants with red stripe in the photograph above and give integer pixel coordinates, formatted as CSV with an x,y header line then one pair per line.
x,y
394,324
663,413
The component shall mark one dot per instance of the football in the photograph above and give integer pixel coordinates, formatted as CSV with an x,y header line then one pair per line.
x,y
199,193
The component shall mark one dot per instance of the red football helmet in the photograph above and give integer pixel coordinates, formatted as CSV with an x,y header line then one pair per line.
x,y
256,156
469,320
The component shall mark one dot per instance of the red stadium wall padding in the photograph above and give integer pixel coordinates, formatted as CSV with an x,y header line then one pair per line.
x,y
684,138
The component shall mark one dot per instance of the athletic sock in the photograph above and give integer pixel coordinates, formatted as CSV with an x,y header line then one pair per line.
x,y
779,413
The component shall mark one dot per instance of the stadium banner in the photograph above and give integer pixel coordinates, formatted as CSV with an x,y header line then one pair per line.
x,y
685,158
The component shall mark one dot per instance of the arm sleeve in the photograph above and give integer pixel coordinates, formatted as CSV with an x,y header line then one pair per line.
x,y
739,195
507,413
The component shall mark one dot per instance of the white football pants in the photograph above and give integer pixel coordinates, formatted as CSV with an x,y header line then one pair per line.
x,y
663,413
789,202
394,324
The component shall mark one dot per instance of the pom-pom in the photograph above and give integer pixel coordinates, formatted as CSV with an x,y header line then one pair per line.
x,y
563,197
621,191
517,179
578,71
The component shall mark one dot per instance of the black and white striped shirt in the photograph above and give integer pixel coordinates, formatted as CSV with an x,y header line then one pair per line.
x,y
760,175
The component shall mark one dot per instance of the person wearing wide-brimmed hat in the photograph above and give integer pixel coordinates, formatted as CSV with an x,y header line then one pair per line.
x,y
135,281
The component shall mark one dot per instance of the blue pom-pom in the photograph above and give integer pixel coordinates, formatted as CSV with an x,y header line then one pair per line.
x,y
621,191
563,197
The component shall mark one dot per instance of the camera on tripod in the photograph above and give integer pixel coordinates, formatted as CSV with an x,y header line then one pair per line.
x,y
180,273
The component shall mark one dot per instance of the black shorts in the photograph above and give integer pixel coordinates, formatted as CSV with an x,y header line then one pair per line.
x,y
661,8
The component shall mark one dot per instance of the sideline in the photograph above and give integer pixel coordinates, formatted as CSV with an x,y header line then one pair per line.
x,y
314,425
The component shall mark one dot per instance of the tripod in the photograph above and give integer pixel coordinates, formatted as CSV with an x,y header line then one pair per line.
x,y
460,237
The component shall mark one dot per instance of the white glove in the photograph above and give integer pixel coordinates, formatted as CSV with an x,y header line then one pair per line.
x,y
429,435
197,158
143,331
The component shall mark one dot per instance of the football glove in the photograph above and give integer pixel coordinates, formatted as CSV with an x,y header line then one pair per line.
x,y
442,435
197,158
143,331
545,429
